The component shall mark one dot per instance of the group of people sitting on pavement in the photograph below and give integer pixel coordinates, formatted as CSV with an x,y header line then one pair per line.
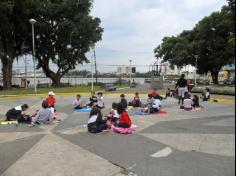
x,y
94,100
43,116
118,115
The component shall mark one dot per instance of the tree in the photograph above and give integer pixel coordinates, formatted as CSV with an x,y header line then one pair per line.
x,y
208,42
65,32
178,51
232,20
13,33
212,36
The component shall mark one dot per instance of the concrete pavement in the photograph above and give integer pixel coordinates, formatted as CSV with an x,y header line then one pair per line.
x,y
179,143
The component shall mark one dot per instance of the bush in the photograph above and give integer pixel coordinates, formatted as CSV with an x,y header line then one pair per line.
x,y
216,90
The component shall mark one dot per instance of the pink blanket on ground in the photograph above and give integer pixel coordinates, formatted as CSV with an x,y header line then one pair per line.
x,y
124,131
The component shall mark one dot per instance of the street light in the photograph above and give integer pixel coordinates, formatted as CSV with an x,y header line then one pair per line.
x,y
26,81
33,21
130,71
195,75
24,49
92,89
95,62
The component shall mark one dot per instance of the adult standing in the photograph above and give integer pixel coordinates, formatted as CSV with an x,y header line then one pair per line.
x,y
182,86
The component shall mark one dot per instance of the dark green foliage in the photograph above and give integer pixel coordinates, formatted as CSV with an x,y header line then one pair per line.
x,y
63,23
59,23
211,41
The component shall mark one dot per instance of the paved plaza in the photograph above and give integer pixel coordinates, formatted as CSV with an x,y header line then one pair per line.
x,y
178,143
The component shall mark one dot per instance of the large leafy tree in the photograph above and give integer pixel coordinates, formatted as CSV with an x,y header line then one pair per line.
x,y
13,34
178,51
60,23
232,20
212,35
65,32
208,42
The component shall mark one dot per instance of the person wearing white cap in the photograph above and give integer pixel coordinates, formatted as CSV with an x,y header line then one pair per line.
x,y
51,100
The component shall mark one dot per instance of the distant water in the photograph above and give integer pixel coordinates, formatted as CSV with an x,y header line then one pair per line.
x,y
76,81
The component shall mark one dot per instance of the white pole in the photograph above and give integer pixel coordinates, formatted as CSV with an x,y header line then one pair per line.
x,y
33,21
92,74
130,72
195,71
26,83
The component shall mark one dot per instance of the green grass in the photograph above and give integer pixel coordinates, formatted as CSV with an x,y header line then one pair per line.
x,y
76,89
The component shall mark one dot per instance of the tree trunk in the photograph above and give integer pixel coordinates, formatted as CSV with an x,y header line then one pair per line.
x,y
7,72
56,81
214,75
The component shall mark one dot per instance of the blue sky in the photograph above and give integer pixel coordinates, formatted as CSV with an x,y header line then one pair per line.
x,y
133,28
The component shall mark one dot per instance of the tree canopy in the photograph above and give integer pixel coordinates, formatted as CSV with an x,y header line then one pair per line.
x,y
14,29
65,31
210,42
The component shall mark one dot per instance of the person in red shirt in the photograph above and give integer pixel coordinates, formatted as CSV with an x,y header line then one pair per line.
x,y
124,121
155,94
51,100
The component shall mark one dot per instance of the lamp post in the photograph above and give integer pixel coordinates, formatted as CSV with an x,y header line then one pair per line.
x,y
26,84
33,21
95,64
92,88
130,76
93,67
195,74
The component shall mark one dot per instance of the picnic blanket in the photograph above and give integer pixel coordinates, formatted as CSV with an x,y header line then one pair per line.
x,y
88,109
124,131
139,112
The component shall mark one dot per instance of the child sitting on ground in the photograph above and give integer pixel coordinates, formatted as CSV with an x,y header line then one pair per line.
x,y
113,115
146,107
156,105
206,95
17,114
188,102
93,99
155,94
44,116
96,123
123,101
136,101
100,102
51,101
196,101
124,121
77,102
